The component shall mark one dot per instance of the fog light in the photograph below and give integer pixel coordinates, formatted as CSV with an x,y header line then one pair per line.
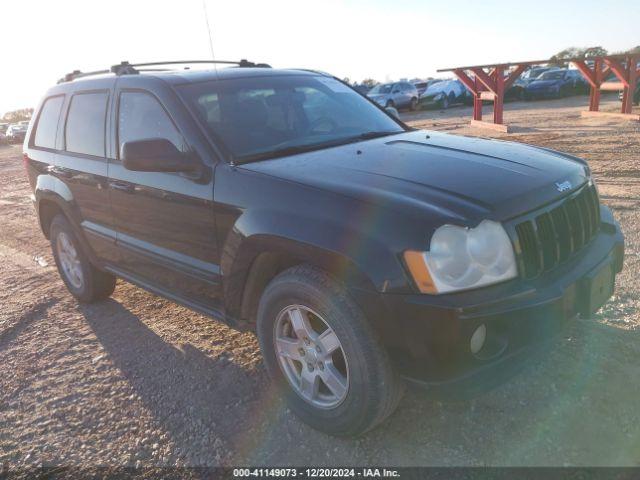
x,y
477,339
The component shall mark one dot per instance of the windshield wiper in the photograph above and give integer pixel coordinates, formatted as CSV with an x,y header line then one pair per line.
x,y
282,152
376,134
295,149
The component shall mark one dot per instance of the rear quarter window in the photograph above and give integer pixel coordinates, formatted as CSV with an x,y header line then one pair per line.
x,y
85,128
47,126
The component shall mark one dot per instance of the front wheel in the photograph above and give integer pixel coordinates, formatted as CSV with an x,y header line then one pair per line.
x,y
323,355
83,280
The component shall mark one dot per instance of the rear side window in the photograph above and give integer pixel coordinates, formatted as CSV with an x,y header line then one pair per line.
x,y
141,117
47,127
86,124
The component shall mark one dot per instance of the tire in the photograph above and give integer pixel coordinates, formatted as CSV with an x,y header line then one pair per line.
x,y
390,104
83,280
370,389
413,106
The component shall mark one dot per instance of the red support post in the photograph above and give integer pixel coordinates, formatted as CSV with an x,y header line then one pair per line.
x,y
594,95
498,102
477,101
630,87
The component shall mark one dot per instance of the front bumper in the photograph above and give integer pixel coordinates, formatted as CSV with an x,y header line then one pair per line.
x,y
428,336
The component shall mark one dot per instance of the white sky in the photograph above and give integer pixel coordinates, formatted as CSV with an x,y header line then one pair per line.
x,y
386,40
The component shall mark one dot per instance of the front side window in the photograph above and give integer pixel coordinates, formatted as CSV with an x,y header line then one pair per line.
x,y
47,127
263,117
142,117
86,124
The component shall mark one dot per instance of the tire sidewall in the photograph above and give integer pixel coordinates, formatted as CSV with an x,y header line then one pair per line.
x,y
361,378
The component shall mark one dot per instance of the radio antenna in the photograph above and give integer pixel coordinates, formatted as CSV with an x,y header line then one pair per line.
x,y
206,19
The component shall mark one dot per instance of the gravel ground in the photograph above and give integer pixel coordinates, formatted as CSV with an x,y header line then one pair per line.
x,y
137,380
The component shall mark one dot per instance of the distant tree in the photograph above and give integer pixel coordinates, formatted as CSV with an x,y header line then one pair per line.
x,y
634,51
595,52
346,80
18,115
370,82
560,58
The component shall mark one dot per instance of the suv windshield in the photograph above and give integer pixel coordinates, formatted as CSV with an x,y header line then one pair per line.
x,y
256,118
385,88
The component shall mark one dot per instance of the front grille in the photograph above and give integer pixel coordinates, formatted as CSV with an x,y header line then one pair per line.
x,y
552,236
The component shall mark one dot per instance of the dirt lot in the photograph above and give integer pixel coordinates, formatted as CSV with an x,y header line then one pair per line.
x,y
137,380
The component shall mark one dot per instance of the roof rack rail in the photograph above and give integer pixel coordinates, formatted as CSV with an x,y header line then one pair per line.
x,y
126,68
78,74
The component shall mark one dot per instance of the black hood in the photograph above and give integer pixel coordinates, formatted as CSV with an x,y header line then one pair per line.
x,y
465,178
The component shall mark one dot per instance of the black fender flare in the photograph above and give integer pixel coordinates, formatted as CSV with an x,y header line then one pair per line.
x,y
294,237
51,190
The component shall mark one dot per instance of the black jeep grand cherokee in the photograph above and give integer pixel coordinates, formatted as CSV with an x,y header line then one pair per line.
x,y
363,252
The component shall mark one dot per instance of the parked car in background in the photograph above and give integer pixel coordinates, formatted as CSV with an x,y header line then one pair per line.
x,y
397,95
556,84
3,128
516,91
636,95
16,132
362,88
422,86
443,94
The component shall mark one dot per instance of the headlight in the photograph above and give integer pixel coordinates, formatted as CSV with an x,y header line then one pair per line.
x,y
463,258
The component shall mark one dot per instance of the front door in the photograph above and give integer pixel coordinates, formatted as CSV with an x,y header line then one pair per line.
x,y
165,228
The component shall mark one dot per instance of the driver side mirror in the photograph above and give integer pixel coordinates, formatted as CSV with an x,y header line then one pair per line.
x,y
157,155
393,112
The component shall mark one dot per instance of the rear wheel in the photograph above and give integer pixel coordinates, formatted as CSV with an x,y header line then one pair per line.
x,y
323,355
83,280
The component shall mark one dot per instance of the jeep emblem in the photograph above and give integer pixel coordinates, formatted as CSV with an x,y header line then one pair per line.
x,y
566,185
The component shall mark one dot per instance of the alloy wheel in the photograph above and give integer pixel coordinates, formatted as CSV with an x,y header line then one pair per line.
x,y
69,260
311,357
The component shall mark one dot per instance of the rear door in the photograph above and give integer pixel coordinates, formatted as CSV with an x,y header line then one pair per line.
x,y
165,221
81,164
